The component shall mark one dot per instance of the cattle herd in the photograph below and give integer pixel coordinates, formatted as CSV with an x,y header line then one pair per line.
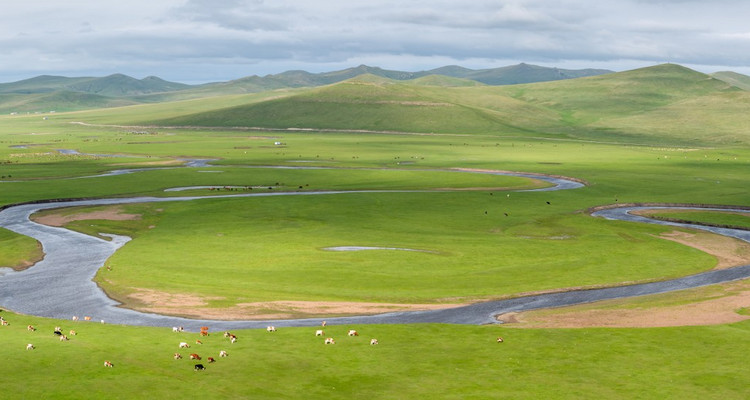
x,y
204,332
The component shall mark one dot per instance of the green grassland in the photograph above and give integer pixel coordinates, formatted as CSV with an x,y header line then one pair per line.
x,y
451,362
627,135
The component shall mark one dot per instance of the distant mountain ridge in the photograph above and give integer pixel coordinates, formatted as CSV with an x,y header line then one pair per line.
x,y
116,85
119,85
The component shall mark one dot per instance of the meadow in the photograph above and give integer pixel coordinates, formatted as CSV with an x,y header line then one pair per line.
x,y
483,237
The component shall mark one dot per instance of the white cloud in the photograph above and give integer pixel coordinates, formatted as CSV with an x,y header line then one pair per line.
x,y
195,40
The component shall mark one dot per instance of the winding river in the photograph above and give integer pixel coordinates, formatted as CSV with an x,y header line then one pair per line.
x,y
61,285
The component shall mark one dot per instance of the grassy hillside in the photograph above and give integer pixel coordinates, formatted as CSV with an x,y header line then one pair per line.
x,y
368,103
739,80
649,105
59,101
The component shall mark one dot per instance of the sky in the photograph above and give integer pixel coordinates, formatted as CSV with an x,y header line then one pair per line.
x,y
198,41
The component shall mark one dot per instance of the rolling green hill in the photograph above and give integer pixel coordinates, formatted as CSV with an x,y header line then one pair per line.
x,y
364,103
663,102
154,90
57,101
733,78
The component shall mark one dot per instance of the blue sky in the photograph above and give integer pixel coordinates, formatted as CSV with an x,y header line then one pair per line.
x,y
195,41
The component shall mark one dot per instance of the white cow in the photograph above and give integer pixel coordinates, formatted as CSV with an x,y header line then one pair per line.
x,y
184,345
319,332
271,328
29,346
373,341
223,353
352,332
329,341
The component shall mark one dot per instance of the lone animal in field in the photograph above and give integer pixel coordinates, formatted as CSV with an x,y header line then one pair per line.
x,y
271,328
199,367
329,341
75,318
319,332
30,328
29,346
184,345
223,353
211,359
195,357
499,339
108,364
177,356
352,332
373,341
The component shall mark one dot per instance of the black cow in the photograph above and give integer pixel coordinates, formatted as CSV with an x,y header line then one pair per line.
x,y
199,367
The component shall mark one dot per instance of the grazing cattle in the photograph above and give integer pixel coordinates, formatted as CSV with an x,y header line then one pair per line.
x,y
75,318
29,346
323,324
319,332
223,353
232,338
211,359
199,367
73,333
184,345
57,332
4,322
195,357
499,339
177,356
58,329
87,318
108,364
329,341
177,329
352,332
373,341
227,334
198,342
30,328
271,328
63,338
204,333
